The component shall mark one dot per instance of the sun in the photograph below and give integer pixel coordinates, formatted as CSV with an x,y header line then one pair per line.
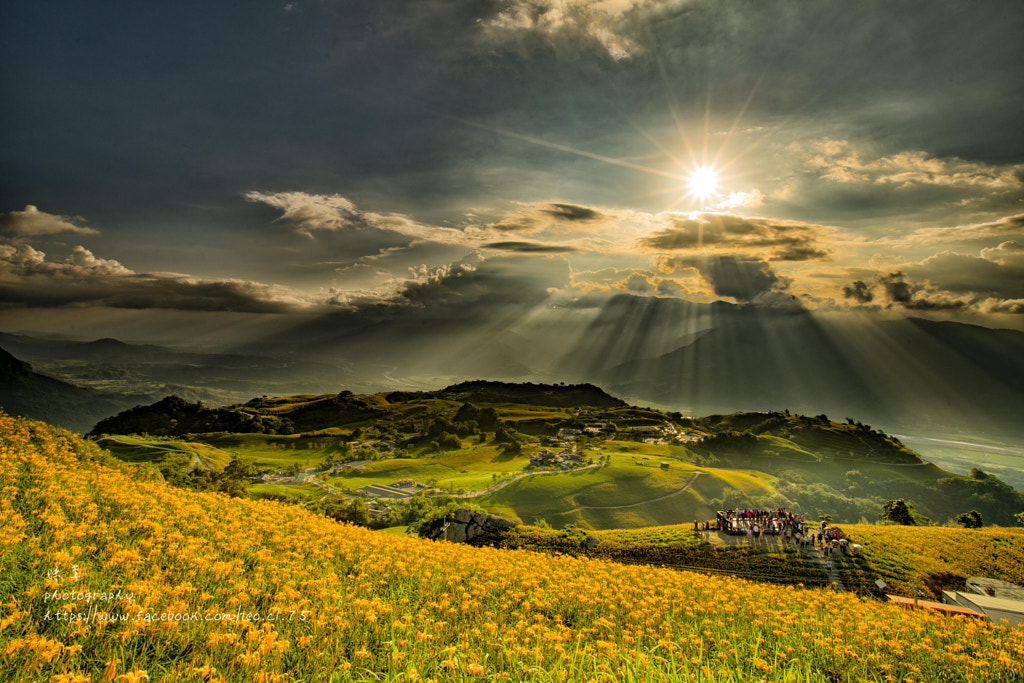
x,y
703,182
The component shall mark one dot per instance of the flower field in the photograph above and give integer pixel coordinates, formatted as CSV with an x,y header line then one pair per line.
x,y
902,555
106,578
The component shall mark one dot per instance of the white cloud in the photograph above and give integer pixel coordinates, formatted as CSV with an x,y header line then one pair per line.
x,y
307,213
737,200
32,222
565,21
838,162
997,230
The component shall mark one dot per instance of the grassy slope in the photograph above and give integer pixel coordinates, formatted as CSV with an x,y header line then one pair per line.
x,y
140,449
380,607
596,497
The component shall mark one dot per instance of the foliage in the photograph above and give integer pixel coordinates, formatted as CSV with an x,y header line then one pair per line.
x,y
176,416
898,512
970,520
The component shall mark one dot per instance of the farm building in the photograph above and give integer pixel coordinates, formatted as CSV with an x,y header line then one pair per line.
x,y
996,609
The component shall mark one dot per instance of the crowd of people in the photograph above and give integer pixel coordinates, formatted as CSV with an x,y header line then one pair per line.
x,y
786,526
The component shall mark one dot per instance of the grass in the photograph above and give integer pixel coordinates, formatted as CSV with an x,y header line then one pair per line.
x,y
355,605
279,452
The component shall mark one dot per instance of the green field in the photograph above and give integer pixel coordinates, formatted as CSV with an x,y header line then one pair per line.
x,y
805,464
472,468
279,452
621,494
137,449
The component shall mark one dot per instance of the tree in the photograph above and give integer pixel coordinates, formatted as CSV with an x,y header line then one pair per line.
x,y
239,469
898,512
970,520
1020,518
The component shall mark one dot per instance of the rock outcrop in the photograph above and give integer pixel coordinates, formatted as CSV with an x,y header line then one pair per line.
x,y
466,526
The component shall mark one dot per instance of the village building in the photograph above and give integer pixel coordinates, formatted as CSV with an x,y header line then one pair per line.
x,y
997,610
383,491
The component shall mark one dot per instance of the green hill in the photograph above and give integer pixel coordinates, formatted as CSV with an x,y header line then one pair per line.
x,y
647,467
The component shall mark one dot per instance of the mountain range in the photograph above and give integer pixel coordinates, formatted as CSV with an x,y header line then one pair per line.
x,y
907,374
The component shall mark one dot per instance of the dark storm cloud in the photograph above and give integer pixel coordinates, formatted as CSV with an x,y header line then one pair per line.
x,y
745,279
858,291
772,239
29,279
472,289
529,248
992,282
572,212
965,273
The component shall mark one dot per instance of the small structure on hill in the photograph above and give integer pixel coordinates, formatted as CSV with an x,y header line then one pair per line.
x,y
383,491
937,607
995,588
997,610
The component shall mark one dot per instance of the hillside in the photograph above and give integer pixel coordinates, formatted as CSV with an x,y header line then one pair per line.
x,y
151,371
630,467
885,373
26,392
557,395
308,599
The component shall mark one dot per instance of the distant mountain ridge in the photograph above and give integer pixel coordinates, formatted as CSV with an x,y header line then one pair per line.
x,y
905,372
557,395
23,392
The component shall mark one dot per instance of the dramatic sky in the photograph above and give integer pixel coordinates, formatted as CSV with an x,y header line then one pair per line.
x,y
173,165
